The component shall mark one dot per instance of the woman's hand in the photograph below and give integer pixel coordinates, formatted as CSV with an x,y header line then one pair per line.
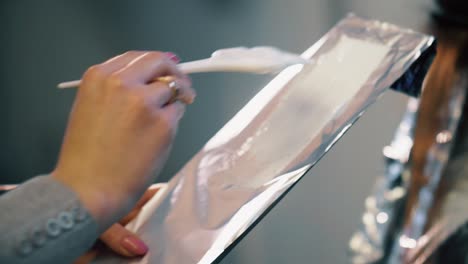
x,y
120,132
120,240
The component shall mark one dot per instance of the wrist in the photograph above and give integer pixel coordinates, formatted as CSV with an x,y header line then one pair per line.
x,y
101,206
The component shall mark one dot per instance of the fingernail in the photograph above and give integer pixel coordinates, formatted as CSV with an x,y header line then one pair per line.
x,y
192,99
135,245
173,57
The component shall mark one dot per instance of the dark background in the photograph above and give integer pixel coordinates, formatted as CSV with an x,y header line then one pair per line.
x,y
46,42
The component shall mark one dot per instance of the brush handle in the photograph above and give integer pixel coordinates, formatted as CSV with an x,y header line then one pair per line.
x,y
206,65
258,60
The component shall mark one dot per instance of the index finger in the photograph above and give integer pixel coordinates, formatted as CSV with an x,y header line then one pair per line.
x,y
148,67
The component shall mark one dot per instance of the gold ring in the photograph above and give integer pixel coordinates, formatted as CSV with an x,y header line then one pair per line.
x,y
166,79
171,82
175,91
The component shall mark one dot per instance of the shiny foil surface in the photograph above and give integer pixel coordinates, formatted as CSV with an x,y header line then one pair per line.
x,y
275,139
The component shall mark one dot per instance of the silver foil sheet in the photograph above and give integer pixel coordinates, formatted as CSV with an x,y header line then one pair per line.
x,y
275,139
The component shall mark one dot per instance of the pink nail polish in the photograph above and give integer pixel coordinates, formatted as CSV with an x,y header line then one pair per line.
x,y
134,245
173,57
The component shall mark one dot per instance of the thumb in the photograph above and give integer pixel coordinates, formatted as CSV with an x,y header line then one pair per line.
x,y
123,242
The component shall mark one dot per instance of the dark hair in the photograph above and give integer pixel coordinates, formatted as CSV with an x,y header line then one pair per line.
x,y
450,24
451,13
